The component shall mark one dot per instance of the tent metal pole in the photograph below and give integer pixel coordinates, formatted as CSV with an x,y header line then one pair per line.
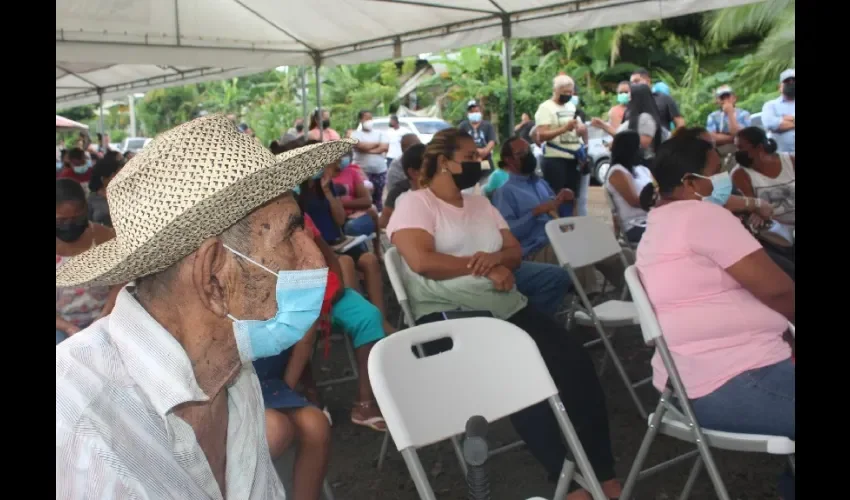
x,y
304,108
317,61
100,99
507,68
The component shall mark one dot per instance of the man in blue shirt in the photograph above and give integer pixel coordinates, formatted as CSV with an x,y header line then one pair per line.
x,y
778,115
724,123
527,203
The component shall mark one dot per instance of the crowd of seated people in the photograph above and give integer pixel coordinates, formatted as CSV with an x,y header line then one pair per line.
x,y
722,302
459,253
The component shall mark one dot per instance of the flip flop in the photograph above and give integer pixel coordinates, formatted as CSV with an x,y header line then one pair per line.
x,y
372,422
328,414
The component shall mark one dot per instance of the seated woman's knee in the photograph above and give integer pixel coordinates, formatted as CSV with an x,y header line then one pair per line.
x,y
312,426
368,261
279,432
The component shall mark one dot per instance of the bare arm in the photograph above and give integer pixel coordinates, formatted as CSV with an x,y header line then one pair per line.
x,y
416,247
615,117
386,213
547,133
333,264
337,210
620,181
66,326
511,253
742,182
366,147
679,122
760,276
722,139
361,199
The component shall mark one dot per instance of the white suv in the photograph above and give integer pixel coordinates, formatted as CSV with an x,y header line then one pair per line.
x,y
423,127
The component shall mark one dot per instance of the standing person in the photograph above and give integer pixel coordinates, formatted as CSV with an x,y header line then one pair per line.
x,y
559,129
724,123
396,173
394,135
77,168
369,155
224,274
642,106
482,132
584,183
297,129
668,110
78,307
328,134
617,111
779,114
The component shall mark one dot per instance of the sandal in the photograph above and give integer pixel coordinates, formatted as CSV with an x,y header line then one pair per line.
x,y
376,423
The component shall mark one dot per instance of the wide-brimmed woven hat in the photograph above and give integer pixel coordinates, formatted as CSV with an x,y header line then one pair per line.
x,y
189,184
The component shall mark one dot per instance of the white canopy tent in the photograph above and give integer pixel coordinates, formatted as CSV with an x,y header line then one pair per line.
x,y
153,43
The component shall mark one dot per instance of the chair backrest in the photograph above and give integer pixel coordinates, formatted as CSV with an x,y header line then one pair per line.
x,y
582,241
649,325
493,369
392,259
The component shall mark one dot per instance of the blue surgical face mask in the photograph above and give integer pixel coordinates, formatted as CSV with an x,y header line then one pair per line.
x,y
296,190
344,162
574,100
474,117
83,168
623,98
721,188
58,165
299,297
318,175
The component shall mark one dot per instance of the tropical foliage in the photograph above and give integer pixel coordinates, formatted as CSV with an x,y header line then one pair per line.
x,y
745,47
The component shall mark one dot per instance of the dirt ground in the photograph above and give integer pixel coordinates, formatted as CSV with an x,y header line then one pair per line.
x,y
515,475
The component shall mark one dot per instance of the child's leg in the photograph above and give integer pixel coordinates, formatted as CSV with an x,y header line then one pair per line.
x,y
280,432
373,213
371,269
362,322
299,358
349,272
311,458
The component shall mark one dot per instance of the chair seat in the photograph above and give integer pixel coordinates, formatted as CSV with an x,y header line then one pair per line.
x,y
612,313
760,443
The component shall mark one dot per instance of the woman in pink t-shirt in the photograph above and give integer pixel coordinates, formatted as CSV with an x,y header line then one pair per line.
x,y
460,254
721,301
328,134
361,215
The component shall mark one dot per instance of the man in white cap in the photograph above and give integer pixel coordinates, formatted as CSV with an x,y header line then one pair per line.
x,y
778,115
160,399
724,123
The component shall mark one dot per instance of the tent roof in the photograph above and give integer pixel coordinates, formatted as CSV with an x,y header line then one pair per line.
x,y
63,123
154,43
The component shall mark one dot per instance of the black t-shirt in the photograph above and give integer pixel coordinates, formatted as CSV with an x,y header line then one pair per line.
x,y
667,109
397,190
483,135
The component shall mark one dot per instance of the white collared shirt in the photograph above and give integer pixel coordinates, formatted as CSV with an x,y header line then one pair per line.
x,y
117,383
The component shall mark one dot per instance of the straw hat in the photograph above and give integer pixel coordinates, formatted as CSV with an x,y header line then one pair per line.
x,y
189,184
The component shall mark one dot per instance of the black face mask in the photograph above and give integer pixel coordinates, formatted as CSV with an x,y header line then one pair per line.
x,y
564,98
299,128
743,159
789,91
71,231
529,164
469,176
326,124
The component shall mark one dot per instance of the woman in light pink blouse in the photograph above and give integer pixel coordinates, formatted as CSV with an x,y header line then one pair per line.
x,y
722,303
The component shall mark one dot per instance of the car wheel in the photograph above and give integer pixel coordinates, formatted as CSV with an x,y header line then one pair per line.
x,y
600,170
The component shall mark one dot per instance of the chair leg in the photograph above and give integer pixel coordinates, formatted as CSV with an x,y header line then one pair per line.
x,y
619,366
459,454
692,479
566,477
384,450
643,451
349,348
327,491
792,462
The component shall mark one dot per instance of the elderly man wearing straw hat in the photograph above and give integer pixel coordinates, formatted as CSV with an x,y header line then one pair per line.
x,y
160,399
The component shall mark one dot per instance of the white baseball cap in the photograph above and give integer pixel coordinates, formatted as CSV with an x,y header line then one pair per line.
x,y
471,103
788,73
723,90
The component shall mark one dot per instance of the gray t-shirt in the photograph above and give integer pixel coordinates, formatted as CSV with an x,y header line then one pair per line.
x,y
371,163
395,174
646,126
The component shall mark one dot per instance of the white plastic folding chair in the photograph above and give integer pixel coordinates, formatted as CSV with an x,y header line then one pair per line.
x,y
394,267
584,241
427,399
621,228
677,419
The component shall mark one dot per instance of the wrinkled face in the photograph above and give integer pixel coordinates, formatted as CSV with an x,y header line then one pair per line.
x,y
279,242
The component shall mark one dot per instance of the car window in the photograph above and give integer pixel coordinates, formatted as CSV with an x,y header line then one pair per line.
x,y
380,125
135,143
431,127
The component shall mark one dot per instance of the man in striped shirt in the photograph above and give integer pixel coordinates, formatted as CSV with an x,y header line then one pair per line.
x,y
160,399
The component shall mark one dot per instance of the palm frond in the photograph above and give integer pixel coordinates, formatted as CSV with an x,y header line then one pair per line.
x,y
725,25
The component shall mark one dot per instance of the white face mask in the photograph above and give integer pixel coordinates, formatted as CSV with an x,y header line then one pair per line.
x,y
367,125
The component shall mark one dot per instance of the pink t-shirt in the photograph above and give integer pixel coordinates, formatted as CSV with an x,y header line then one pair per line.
x,y
328,134
714,328
348,179
457,231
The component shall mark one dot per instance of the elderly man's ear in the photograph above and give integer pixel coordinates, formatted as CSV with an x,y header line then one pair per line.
x,y
209,277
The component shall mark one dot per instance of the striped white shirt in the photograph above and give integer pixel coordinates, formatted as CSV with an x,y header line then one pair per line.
x,y
117,437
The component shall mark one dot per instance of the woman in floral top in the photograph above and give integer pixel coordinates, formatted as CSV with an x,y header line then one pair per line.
x,y
78,307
